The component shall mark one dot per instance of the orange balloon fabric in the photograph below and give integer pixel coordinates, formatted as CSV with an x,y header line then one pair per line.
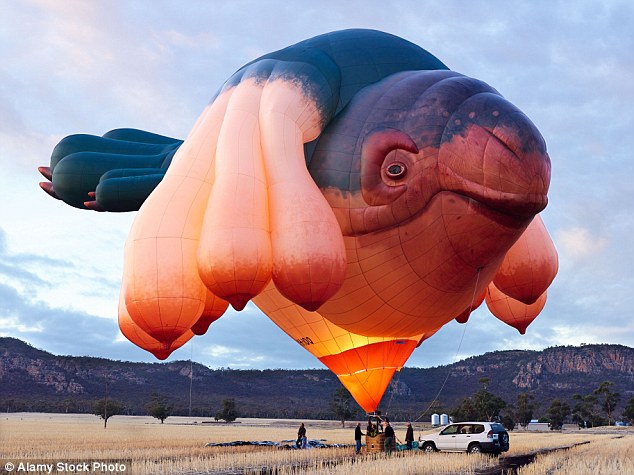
x,y
215,307
415,278
426,336
464,316
513,312
351,185
164,293
236,209
136,335
364,365
386,212
530,266
444,177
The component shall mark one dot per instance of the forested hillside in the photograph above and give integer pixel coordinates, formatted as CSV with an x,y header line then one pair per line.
x,y
34,380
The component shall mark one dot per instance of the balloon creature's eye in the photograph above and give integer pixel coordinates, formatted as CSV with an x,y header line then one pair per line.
x,y
396,170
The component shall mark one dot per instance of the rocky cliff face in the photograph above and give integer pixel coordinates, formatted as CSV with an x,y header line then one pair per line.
x,y
39,371
595,360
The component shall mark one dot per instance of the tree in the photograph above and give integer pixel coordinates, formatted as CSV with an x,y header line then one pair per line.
x,y
487,405
341,405
628,412
465,411
577,411
483,406
609,399
158,407
228,413
557,413
507,421
583,411
525,407
106,408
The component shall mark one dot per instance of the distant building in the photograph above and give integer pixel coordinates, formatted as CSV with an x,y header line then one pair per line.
x,y
535,425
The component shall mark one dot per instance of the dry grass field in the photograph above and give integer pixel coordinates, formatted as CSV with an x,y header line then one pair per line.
x,y
145,446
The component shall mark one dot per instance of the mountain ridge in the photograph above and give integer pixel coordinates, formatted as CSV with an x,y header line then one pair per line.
x,y
35,380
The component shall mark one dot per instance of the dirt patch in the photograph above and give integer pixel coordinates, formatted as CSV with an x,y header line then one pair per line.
x,y
508,465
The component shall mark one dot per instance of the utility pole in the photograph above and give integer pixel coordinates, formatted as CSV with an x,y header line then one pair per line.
x,y
105,407
191,375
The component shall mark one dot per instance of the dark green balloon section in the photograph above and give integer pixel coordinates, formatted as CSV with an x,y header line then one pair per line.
x,y
121,168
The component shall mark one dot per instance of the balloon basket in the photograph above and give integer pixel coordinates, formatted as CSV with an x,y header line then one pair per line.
x,y
376,444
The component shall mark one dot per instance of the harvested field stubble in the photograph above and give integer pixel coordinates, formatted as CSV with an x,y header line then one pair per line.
x,y
178,446
608,455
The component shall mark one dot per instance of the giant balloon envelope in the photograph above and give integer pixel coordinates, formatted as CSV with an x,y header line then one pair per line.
x,y
360,192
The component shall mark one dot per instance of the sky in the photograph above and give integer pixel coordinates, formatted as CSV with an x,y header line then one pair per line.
x,y
92,66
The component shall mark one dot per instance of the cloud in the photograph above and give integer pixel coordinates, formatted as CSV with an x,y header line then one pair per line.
x,y
57,330
578,243
26,314
247,340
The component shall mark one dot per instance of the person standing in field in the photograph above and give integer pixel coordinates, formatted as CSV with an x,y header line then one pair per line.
x,y
301,437
357,437
389,437
409,436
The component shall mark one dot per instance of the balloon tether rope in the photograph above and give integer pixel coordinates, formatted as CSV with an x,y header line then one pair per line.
x,y
457,350
398,377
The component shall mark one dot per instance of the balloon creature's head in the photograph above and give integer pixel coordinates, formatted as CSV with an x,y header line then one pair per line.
x,y
417,134
442,176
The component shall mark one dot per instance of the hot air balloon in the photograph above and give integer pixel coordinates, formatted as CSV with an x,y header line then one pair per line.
x,y
353,186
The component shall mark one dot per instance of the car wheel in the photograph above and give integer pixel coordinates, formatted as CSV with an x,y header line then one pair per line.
x,y
429,448
475,449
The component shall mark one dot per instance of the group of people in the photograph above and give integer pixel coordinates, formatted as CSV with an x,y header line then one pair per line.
x,y
383,426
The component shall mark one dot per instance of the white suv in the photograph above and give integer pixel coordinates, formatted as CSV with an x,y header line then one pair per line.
x,y
471,437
